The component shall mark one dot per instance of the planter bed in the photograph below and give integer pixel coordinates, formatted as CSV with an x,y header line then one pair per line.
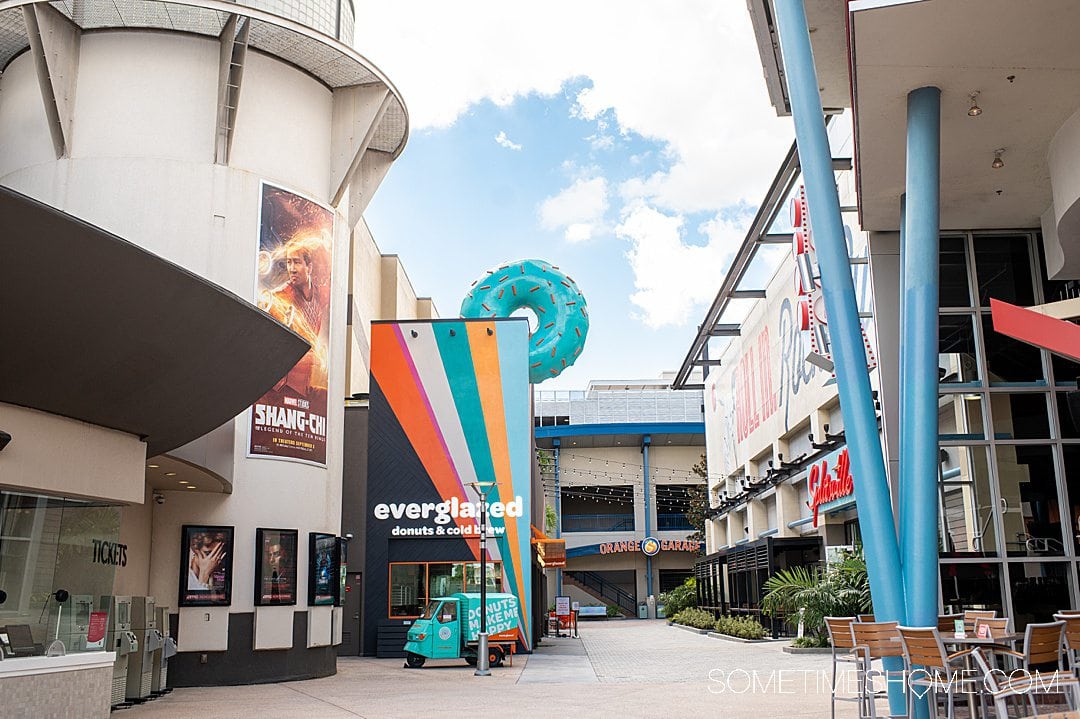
x,y
740,640
807,650
689,629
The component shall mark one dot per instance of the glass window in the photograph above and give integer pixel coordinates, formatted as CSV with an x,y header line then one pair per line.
x,y
494,577
445,579
956,349
967,507
953,273
407,593
49,544
1068,421
1010,361
1065,370
1031,516
1004,270
1020,416
960,416
971,586
448,612
1071,454
1038,590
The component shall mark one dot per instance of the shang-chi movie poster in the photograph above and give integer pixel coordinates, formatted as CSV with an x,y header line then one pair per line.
x,y
293,286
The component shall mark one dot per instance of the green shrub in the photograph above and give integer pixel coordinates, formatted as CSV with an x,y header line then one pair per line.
x,y
742,627
809,641
694,617
612,610
679,598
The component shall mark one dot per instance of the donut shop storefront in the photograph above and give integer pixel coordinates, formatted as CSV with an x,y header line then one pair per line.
x,y
449,408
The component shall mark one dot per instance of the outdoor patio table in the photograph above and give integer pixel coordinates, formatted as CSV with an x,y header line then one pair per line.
x,y
974,641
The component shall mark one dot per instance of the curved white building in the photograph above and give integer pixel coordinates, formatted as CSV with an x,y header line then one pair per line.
x,y
164,123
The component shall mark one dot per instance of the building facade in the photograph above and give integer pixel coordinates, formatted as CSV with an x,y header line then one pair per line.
x,y
159,127
617,466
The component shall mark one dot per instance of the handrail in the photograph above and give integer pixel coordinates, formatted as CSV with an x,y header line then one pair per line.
x,y
606,589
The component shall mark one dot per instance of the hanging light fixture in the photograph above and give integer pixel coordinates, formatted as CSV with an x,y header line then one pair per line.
x,y
998,163
974,110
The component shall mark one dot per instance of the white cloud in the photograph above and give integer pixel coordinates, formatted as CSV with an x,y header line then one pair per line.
x,y
579,209
700,92
505,141
673,280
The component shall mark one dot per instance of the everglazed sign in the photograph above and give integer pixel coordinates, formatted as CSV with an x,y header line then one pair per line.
x,y
826,484
444,513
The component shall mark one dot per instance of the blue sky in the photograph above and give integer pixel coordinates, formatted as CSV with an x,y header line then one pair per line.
x,y
637,179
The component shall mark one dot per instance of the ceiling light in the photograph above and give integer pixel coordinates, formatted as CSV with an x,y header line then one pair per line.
x,y
974,110
191,486
152,466
184,481
170,474
998,163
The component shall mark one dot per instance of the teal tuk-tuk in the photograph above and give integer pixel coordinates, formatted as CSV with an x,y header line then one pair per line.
x,y
449,627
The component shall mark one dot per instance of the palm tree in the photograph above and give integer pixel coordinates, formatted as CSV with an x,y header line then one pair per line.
x,y
840,590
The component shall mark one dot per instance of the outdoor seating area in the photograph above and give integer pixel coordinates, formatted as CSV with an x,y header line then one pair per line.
x,y
973,664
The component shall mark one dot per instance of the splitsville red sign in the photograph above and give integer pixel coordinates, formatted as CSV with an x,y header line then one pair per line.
x,y
825,485
666,545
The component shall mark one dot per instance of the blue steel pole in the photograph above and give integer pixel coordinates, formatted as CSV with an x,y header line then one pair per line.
x,y
853,382
919,408
558,516
645,442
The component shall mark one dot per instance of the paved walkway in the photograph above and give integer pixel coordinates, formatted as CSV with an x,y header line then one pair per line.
x,y
625,668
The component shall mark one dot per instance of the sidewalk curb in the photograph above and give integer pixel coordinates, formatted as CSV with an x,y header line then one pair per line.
x,y
807,650
739,640
689,629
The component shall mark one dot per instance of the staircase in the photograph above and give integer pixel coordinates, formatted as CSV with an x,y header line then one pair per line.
x,y
595,585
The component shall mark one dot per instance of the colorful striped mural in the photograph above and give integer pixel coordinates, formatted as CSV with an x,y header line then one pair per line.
x,y
459,391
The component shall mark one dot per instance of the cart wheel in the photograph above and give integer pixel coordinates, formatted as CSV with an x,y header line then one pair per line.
x,y
495,656
471,660
414,661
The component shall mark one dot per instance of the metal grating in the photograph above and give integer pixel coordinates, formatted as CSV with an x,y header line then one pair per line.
x,y
331,65
12,35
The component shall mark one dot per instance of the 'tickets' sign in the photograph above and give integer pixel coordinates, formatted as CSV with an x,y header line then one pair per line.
x,y
825,486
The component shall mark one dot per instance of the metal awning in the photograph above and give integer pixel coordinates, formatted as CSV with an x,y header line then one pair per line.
x,y
98,329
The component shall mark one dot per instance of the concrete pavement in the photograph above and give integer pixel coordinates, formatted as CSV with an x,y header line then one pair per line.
x,y
627,668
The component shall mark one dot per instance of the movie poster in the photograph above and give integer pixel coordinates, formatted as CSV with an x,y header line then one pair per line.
x,y
293,286
275,566
206,566
323,572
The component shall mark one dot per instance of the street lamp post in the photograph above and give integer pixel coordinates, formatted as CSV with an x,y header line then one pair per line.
x,y
482,669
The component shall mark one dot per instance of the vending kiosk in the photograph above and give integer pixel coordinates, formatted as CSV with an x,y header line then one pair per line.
x,y
120,639
159,675
141,662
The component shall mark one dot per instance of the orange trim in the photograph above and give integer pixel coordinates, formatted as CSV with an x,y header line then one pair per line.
x,y
427,582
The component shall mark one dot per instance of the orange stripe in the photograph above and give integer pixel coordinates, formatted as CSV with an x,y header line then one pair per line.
x,y
485,356
390,367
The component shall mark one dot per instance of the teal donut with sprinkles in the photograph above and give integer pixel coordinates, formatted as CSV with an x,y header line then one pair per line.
x,y
562,318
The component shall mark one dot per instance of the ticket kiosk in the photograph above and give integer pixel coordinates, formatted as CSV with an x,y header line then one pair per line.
x,y
159,672
120,639
141,662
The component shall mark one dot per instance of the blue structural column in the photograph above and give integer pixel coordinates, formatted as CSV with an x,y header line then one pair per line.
x,y
558,514
919,369
645,442
853,381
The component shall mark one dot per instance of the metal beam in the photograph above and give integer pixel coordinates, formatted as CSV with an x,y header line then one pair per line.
x,y
357,113
747,294
725,331
707,362
776,238
232,53
54,45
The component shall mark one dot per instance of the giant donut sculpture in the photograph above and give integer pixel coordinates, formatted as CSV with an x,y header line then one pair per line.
x,y
562,317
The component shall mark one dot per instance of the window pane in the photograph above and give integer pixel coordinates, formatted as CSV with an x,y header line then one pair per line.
x,y
406,590
1038,590
960,416
444,581
1032,518
1070,424
494,577
967,513
1065,371
956,349
1008,360
971,586
1020,416
1004,270
1072,479
954,273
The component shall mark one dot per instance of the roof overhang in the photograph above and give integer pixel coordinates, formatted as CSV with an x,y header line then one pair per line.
x,y
828,37
1023,60
97,329
621,434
